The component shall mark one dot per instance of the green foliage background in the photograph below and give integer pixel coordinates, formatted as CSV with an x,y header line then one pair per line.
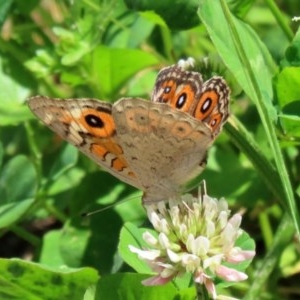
x,y
108,49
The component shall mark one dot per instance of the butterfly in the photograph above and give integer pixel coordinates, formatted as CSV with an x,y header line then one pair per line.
x,y
157,146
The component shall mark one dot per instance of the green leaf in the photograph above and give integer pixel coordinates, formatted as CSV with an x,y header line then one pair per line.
x,y
141,28
288,94
292,54
17,180
26,7
183,14
50,253
153,18
4,10
15,87
18,184
14,114
110,68
288,86
83,235
257,54
251,64
90,293
67,159
42,64
128,286
29,281
12,212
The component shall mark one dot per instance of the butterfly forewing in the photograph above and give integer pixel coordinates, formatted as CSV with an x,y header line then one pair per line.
x,y
89,126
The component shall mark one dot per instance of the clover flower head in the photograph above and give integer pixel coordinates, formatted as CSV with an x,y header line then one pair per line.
x,y
195,235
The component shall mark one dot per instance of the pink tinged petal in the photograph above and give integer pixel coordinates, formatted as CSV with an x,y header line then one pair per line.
x,y
168,272
229,274
164,265
144,254
211,288
237,255
150,239
202,278
156,280
155,266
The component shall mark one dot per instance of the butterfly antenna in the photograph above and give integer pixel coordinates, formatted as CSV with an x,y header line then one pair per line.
x,y
88,214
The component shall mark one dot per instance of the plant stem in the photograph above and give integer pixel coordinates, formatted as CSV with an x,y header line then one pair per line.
x,y
25,235
280,19
202,293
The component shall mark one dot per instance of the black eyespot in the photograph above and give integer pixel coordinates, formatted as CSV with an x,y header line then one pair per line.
x,y
94,121
206,105
181,100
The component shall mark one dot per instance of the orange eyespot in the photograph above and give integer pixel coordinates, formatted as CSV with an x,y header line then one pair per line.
x,y
208,101
183,98
168,89
98,123
215,121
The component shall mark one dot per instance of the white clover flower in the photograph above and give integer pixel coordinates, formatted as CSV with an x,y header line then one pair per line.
x,y
195,235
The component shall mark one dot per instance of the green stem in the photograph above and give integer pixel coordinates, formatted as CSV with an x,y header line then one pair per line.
x,y
280,19
166,37
25,235
266,229
36,154
55,212
202,293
